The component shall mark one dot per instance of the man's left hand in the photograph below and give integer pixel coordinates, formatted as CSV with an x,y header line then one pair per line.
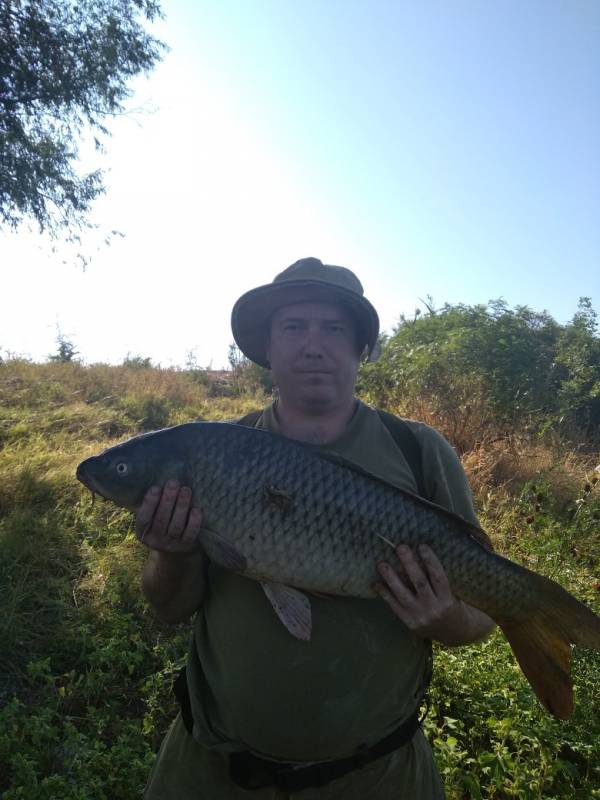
x,y
422,598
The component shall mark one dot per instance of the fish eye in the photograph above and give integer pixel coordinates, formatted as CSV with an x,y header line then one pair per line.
x,y
122,468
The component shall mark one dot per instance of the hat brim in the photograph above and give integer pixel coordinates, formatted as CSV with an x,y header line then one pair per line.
x,y
252,313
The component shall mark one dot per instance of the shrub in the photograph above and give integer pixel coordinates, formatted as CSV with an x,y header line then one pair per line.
x,y
492,370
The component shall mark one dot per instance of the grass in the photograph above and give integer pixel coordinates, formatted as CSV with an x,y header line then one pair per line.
x,y
86,670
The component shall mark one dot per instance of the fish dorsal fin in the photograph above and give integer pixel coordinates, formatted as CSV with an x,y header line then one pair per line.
x,y
292,607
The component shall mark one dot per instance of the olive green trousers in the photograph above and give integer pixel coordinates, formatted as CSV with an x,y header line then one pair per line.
x,y
184,770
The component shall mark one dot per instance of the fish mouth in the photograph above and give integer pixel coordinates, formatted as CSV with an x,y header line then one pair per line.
x,y
89,482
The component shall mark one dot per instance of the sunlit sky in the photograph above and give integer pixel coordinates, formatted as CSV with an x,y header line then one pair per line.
x,y
449,149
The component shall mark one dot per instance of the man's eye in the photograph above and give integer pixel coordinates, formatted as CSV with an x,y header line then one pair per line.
x,y
336,328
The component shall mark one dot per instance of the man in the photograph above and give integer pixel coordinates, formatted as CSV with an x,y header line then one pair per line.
x,y
267,716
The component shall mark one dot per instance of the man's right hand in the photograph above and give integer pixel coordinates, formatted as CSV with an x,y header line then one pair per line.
x,y
167,522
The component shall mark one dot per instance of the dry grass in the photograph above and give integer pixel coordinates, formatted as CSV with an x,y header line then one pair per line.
x,y
509,463
25,383
504,462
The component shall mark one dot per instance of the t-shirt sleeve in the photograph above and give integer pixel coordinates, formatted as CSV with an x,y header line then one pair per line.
x,y
445,479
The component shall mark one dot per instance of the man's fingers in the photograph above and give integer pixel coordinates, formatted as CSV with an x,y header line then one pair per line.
x,y
145,513
194,524
417,576
165,520
404,596
187,520
180,512
435,570
431,606
163,514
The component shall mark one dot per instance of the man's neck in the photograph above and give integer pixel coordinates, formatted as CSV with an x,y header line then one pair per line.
x,y
314,426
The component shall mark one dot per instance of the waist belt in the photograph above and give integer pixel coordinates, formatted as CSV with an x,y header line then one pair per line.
x,y
251,772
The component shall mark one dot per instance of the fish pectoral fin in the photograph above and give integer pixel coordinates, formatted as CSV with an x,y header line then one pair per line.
x,y
222,551
292,607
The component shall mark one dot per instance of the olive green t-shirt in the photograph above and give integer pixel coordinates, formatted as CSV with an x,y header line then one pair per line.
x,y
254,686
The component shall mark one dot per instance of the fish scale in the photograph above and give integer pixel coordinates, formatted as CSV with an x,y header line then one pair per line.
x,y
335,508
296,517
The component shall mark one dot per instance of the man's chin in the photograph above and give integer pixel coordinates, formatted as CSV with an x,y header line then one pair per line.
x,y
320,397
315,377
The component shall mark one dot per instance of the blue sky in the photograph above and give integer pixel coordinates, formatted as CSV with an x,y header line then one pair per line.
x,y
444,149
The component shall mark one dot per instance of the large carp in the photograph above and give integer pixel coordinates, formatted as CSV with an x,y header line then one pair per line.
x,y
294,516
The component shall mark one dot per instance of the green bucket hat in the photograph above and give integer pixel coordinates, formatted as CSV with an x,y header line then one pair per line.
x,y
305,281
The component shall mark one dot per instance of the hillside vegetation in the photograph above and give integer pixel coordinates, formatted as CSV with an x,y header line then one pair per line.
x,y
86,670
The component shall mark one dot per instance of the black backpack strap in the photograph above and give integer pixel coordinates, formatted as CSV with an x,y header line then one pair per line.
x,y
407,442
250,420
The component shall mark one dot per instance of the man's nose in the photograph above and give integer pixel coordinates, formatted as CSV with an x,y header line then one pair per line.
x,y
313,347
312,353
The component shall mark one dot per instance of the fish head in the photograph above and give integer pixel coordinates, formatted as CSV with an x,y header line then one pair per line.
x,y
124,473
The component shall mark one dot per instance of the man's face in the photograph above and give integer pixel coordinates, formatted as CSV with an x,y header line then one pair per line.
x,y
313,352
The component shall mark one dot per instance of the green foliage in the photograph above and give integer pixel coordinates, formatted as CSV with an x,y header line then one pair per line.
x,y
137,362
483,367
491,737
66,350
147,412
196,372
64,68
246,376
86,670
578,364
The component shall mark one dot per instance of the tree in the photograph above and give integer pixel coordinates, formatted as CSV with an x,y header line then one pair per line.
x,y
64,68
66,350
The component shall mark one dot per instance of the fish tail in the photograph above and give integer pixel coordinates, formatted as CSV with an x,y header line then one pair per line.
x,y
542,642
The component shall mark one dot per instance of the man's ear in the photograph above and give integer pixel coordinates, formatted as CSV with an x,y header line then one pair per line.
x,y
268,348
